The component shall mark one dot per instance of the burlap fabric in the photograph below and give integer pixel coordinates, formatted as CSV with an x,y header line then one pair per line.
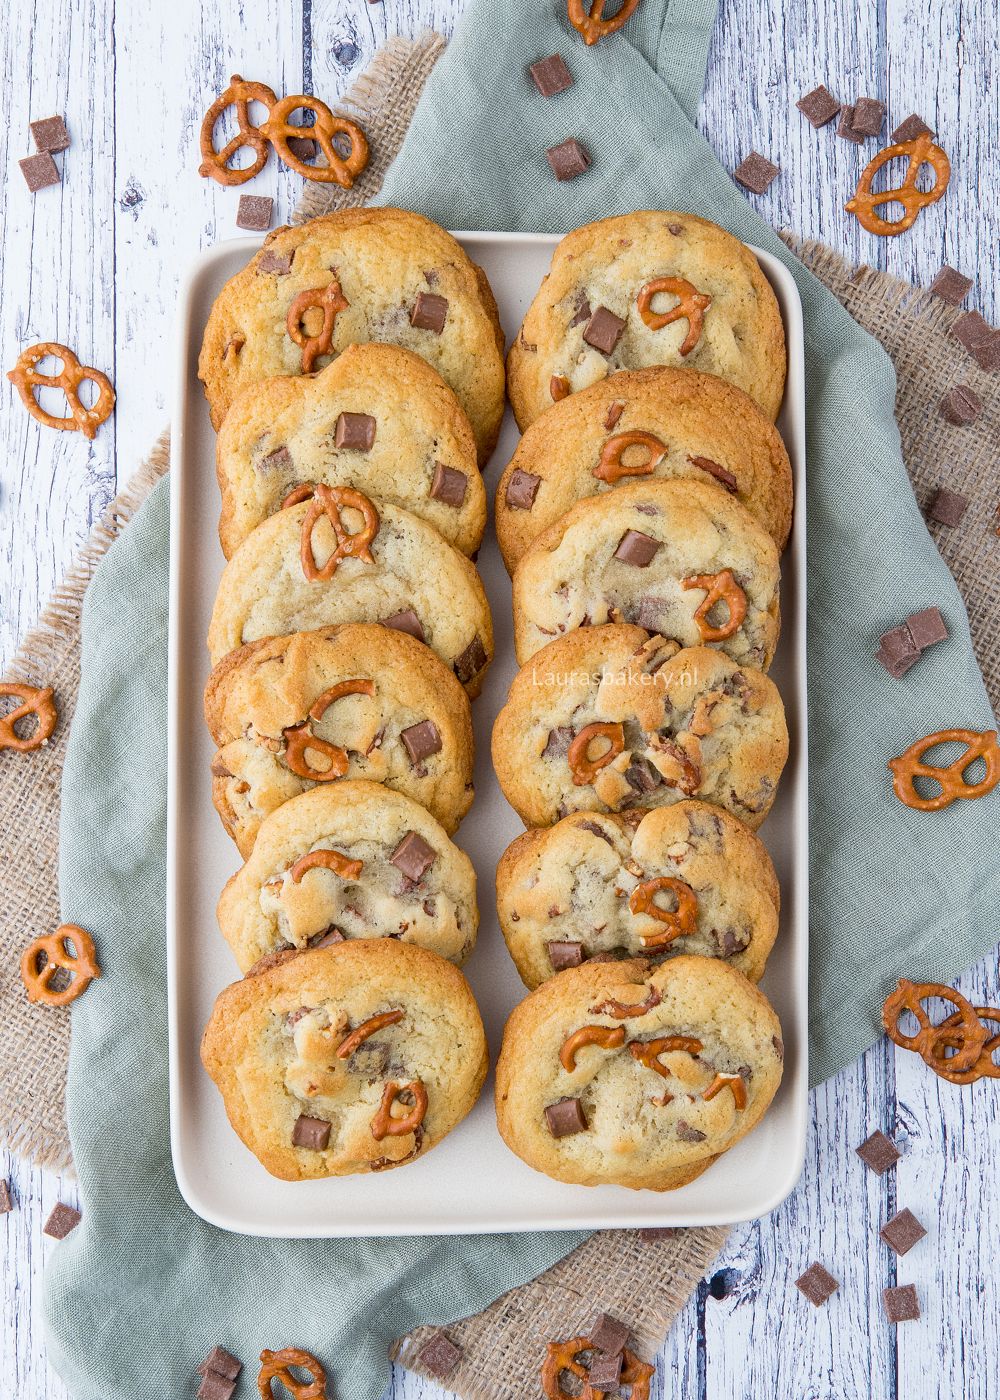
x,y
647,1281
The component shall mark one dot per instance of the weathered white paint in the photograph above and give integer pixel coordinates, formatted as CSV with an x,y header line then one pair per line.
x,y
96,264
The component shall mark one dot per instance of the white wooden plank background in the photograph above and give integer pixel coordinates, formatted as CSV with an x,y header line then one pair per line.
x,y
96,264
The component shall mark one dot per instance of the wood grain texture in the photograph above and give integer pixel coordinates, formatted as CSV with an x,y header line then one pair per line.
x,y
97,264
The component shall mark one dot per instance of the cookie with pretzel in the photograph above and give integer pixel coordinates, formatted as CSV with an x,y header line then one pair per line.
x,y
611,719
643,289
347,861
680,558
683,879
357,1057
622,1074
353,277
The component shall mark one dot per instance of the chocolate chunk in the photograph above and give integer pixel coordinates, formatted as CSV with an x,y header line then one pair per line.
x,y
550,75
222,1362
313,1133
39,171
610,1336
558,742
564,953
897,666
951,286
565,1117
421,740
637,549
471,661
898,645
568,159
582,314
449,485
927,627
50,134
405,621
355,431
642,776
327,939
902,1232
304,147
879,1153
61,1222
254,212
652,1235
439,1355
817,1284
522,489
819,106
604,330
869,116
972,330
278,263
779,1046
724,477
987,353
649,612
688,1134
413,856
909,129
756,173
947,507
371,1060
605,1372
900,1304
615,411
960,406
430,312
6,1201
279,460
845,127
215,1387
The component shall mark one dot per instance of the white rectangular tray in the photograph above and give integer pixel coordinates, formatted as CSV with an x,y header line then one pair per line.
x,y
471,1182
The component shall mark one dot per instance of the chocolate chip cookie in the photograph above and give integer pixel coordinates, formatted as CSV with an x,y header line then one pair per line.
x,y
643,424
680,558
352,1058
683,879
377,418
357,701
650,288
348,278
621,1074
610,719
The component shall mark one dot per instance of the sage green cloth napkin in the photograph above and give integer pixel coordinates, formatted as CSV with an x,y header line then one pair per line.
x,y
143,1289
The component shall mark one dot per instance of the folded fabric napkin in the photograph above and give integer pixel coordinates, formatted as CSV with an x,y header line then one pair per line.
x,y
143,1289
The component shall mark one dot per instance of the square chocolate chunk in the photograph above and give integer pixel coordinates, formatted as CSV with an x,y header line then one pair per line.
x,y
901,1303
63,1220
909,129
636,548
817,1284
312,1133
449,485
897,666
471,661
280,264
972,330
215,1387
947,507
652,1235
430,312
927,627
413,856
277,461
564,953
6,1202
756,173
610,1335
421,740
405,621
254,212
987,353
879,1153
50,134
355,431
605,1372
961,406
223,1362
439,1355
902,1232
951,286
550,75
845,127
558,742
304,147
899,645
604,330
568,159
522,488
869,116
819,106
39,171
565,1117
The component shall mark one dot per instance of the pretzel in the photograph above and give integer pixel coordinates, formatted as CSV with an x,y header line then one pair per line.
x,y
562,1356
691,306
607,1037
328,500
728,1081
611,468
558,387
36,702
648,1052
26,379
582,766
215,164
985,1067
340,170
82,964
340,864
623,1011
720,588
590,23
331,301
966,1035
360,1034
274,1366
299,738
950,776
921,152
679,921
298,494
636,1374
384,1125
